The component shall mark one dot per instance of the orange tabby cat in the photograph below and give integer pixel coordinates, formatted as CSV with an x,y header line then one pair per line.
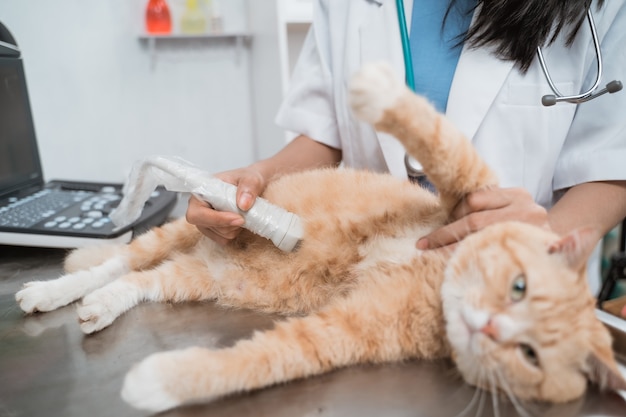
x,y
503,305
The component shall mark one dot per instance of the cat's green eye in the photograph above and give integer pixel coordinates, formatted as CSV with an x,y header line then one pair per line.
x,y
529,354
518,288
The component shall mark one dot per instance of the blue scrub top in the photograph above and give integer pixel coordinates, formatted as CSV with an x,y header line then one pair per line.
x,y
433,49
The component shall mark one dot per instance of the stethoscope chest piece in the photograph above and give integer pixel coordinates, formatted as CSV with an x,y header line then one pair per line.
x,y
612,87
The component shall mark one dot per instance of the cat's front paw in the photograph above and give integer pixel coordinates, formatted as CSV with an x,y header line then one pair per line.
x,y
145,385
41,296
374,89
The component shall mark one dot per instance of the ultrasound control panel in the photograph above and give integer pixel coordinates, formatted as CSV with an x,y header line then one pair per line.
x,y
78,209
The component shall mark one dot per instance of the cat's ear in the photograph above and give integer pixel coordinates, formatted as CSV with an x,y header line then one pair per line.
x,y
576,247
600,367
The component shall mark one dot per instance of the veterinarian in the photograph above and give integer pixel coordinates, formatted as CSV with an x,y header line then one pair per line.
x,y
562,165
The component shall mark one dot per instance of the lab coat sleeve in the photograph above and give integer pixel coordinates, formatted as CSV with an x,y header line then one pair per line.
x,y
595,147
308,107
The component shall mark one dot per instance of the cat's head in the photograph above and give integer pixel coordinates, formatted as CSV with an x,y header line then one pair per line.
x,y
520,316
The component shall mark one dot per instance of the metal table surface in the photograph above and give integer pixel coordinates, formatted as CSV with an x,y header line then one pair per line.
x,y
49,368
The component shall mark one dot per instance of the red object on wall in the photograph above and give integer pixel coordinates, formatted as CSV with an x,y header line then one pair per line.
x,y
158,18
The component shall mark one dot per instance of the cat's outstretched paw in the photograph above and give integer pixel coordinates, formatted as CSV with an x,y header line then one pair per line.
x,y
42,296
94,315
145,385
374,89
100,308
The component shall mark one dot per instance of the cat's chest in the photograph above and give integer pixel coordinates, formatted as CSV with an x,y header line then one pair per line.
x,y
398,249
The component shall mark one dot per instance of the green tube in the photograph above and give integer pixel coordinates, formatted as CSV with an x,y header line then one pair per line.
x,y
406,49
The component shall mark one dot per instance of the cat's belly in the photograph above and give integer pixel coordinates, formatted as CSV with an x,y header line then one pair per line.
x,y
398,249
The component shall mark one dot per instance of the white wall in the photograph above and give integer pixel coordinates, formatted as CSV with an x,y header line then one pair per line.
x,y
266,75
99,104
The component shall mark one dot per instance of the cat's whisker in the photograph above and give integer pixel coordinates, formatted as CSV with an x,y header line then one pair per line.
x,y
472,403
454,372
506,388
483,393
494,393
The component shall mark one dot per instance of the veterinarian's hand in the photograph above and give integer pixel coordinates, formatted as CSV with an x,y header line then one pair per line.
x,y
483,208
222,226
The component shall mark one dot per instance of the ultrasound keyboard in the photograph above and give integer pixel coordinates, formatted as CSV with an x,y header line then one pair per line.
x,y
27,212
78,210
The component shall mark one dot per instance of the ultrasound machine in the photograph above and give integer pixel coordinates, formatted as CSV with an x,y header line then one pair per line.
x,y
61,214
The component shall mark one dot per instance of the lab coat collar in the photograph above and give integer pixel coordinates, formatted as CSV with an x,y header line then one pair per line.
x,y
478,79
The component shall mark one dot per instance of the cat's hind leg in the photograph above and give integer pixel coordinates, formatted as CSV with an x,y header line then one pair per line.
x,y
90,256
184,277
340,335
94,267
294,349
145,251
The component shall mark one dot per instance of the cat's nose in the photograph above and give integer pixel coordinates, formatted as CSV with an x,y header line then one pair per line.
x,y
490,329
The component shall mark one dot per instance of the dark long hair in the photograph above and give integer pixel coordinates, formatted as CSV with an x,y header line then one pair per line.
x,y
517,27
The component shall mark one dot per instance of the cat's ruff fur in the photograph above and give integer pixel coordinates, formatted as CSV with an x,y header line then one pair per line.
x,y
362,291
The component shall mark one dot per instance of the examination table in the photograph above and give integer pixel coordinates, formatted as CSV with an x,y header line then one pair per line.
x,y
49,368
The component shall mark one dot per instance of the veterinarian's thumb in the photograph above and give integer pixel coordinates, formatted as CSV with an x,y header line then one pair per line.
x,y
247,192
245,201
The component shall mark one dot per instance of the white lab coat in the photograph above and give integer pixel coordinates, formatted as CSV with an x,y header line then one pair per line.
x,y
543,149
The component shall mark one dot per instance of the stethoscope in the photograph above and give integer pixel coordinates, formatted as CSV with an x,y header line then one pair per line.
x,y
548,99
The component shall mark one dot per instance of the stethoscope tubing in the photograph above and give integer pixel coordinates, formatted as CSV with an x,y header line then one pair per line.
x,y
406,49
577,98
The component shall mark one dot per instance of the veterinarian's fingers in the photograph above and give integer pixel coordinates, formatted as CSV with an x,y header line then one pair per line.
x,y
447,235
250,184
483,209
248,189
217,225
490,199
218,238
200,213
516,203
502,204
